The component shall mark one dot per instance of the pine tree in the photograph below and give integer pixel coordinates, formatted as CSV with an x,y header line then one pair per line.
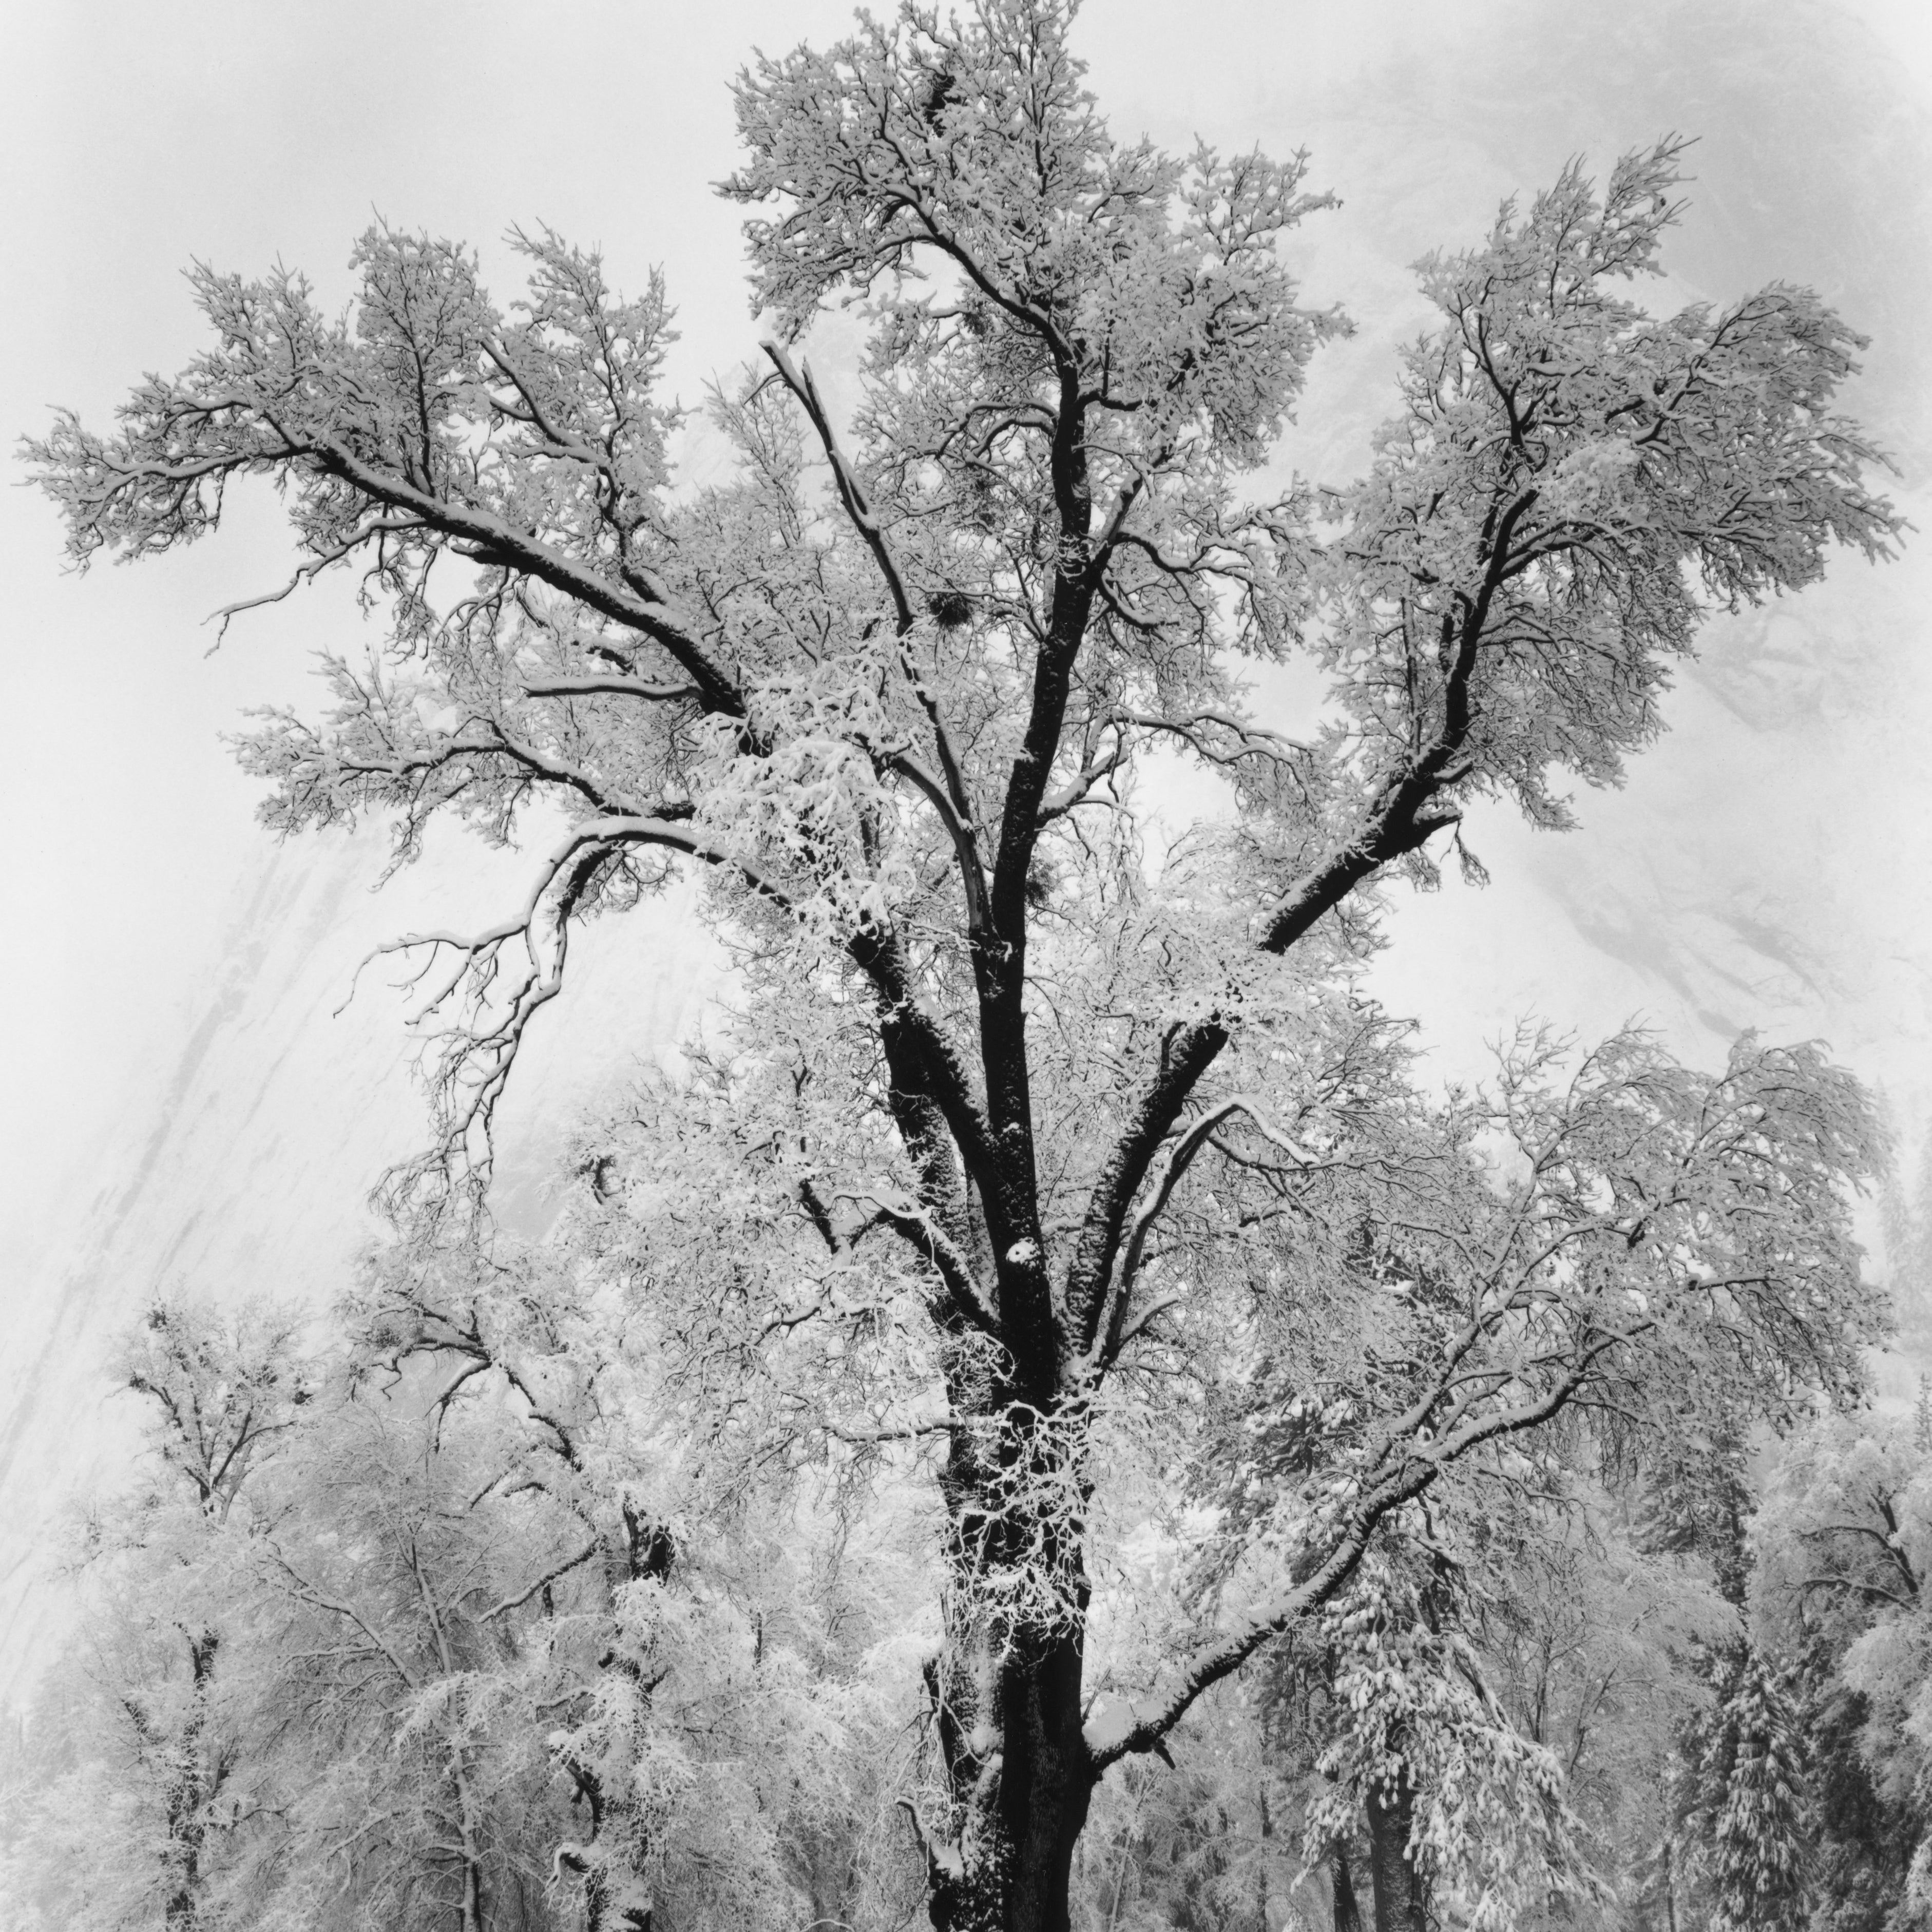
x,y
1763,1830
1746,1798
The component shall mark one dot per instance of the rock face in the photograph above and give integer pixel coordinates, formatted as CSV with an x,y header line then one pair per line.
x,y
241,1164
1769,865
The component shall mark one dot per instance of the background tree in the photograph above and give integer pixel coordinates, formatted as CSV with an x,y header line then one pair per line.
x,y
459,1677
144,1821
1841,1543
898,718
685,1639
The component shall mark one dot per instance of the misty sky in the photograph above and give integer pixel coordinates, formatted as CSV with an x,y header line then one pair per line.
x,y
1769,864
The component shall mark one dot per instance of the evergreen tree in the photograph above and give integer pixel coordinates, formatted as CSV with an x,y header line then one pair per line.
x,y
1761,1829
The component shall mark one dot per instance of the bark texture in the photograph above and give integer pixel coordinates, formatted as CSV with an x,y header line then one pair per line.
x,y
1401,1892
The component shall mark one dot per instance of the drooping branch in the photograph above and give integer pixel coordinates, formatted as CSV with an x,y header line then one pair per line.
x,y
373,532
475,1076
1129,1727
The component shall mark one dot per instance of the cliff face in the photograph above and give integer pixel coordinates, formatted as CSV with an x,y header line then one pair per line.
x,y
239,1163
1765,867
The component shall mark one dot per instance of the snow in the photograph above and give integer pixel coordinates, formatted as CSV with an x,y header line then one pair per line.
x,y
1111,1725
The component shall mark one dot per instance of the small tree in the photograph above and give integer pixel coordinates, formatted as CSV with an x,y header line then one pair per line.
x,y
223,1391
891,687
146,1748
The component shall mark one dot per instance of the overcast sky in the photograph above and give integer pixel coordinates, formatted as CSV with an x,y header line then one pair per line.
x,y
1767,864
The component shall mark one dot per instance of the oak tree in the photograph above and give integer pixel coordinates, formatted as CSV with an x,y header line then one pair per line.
x,y
1058,1126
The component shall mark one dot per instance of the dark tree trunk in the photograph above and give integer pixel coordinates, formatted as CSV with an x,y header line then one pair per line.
x,y
190,1790
611,1860
1046,1784
1011,1869
1346,1913
1261,1863
1006,1690
1402,1896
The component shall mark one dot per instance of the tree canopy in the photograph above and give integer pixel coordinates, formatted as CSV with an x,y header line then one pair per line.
x,y
1093,1172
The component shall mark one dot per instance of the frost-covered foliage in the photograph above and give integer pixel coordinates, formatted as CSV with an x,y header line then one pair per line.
x,y
1418,1731
466,1651
1024,1150
1744,1800
139,1744
1841,1543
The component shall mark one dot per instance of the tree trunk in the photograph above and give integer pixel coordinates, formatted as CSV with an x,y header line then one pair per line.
x,y
1005,1689
189,1788
1021,1802
1346,1914
1402,1895
611,1860
1046,1784
1261,1863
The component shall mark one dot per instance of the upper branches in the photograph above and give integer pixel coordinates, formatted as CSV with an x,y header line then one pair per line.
x,y
1571,481
1117,278
889,682
1499,600
1079,346
531,446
